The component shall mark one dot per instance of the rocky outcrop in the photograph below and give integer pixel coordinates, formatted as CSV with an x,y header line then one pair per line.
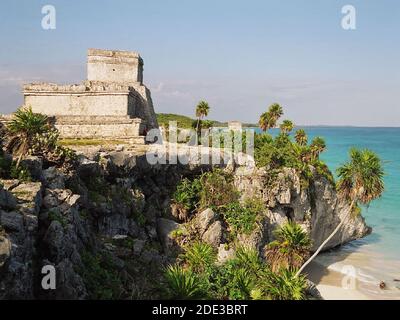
x,y
18,231
317,207
108,223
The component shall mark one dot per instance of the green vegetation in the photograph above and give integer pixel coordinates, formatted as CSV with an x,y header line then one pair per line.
x,y
286,285
286,127
202,110
360,182
183,122
57,216
217,190
10,170
30,133
290,249
183,283
243,277
243,218
301,137
101,278
200,256
317,146
212,189
361,179
22,130
281,152
187,194
269,118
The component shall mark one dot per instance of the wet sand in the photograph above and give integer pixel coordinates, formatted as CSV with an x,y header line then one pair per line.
x,y
329,284
344,275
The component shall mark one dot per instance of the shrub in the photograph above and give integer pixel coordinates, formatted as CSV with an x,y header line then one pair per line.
x,y
183,283
285,285
187,194
290,249
217,189
29,133
238,277
200,256
22,130
47,145
20,173
9,170
100,276
282,152
242,218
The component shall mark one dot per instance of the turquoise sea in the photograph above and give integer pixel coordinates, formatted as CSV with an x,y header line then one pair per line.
x,y
377,256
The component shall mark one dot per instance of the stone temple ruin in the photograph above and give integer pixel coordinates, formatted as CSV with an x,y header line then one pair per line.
x,y
112,103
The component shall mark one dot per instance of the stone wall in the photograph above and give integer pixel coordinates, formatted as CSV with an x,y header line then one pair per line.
x,y
114,89
114,66
78,103
100,127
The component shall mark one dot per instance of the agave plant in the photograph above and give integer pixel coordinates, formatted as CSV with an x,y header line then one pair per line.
x,y
247,258
290,249
22,131
200,256
183,283
285,285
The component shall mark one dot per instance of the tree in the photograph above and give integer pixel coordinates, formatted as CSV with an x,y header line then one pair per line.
x,y
301,137
269,119
22,131
202,110
360,181
317,146
286,126
290,249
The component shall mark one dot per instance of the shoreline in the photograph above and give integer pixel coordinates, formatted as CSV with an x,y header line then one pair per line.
x,y
344,275
328,283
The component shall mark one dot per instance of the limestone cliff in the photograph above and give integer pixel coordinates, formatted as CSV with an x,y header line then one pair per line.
x,y
106,225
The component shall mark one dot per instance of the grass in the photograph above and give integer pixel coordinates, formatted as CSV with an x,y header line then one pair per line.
x,y
89,142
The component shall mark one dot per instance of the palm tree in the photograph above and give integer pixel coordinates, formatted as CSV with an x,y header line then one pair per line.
x,y
275,111
301,137
264,121
317,146
269,119
202,110
290,249
360,181
22,131
286,126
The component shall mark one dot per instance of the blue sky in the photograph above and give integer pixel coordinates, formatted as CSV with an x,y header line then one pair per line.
x,y
240,56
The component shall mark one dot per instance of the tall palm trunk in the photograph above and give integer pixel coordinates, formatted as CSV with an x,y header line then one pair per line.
x,y
197,129
198,124
327,240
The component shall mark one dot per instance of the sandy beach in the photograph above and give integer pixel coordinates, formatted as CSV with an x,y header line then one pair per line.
x,y
341,276
329,284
